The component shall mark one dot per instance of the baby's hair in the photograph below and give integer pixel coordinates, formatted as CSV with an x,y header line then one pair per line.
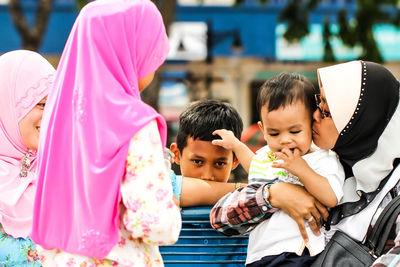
x,y
284,89
203,117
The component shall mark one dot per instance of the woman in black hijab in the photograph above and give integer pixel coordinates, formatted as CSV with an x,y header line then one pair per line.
x,y
359,118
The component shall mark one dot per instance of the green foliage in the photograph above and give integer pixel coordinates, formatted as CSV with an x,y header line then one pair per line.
x,y
355,32
368,14
239,2
295,14
345,32
311,4
81,3
328,51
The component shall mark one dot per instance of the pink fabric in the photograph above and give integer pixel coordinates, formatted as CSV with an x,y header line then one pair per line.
x,y
91,115
25,78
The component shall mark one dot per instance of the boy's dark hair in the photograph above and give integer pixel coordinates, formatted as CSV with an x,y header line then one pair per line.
x,y
203,117
284,89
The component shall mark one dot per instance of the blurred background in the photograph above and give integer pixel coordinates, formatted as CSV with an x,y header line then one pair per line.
x,y
225,49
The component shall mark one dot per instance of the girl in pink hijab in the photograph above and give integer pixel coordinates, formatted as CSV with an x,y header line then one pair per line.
x,y
25,79
104,195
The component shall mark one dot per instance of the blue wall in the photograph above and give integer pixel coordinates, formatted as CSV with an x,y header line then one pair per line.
x,y
255,22
60,23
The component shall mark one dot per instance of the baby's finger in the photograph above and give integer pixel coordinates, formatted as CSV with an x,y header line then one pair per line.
x,y
218,142
217,132
279,155
287,152
296,152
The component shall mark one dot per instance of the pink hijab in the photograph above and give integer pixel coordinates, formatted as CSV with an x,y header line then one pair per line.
x,y
25,78
91,115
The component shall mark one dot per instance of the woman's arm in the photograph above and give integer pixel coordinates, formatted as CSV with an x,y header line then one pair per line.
x,y
197,192
241,210
151,213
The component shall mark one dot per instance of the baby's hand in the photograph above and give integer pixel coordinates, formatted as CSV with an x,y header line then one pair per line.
x,y
228,141
289,160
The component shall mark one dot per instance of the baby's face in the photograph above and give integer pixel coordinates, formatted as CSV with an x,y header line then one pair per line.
x,y
287,127
202,159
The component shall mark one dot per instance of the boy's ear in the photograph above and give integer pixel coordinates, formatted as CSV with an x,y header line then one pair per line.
x,y
235,163
177,154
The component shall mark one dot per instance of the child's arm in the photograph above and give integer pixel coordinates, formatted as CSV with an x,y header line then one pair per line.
x,y
197,192
316,185
229,141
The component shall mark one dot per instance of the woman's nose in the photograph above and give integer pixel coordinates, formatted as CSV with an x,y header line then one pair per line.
x,y
317,115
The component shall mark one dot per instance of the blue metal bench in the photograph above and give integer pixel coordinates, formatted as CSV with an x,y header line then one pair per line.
x,y
200,244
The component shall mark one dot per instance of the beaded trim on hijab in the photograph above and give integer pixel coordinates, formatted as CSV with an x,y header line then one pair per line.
x,y
364,81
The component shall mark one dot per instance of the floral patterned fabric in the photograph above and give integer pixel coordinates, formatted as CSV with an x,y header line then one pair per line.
x,y
148,216
17,251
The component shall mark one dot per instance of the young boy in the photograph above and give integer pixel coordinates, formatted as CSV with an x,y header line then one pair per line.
x,y
285,103
205,167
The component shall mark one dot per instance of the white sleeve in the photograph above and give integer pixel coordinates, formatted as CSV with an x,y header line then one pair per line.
x,y
331,168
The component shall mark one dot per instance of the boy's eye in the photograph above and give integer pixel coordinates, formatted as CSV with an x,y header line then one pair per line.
x,y
273,134
295,132
220,163
197,161
42,105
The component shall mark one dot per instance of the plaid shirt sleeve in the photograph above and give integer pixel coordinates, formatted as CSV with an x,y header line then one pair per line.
x,y
240,211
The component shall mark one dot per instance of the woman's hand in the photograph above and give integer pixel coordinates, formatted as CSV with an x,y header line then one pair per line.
x,y
300,205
